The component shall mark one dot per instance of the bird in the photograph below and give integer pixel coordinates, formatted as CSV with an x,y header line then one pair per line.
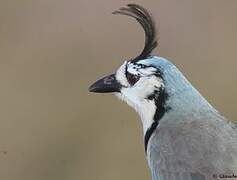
x,y
185,137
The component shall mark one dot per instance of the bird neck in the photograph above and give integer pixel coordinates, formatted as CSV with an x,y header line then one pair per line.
x,y
146,112
160,109
175,109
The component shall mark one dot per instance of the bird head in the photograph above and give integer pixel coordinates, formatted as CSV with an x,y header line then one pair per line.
x,y
152,85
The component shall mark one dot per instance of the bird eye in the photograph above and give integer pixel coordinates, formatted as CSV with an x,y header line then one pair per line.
x,y
132,78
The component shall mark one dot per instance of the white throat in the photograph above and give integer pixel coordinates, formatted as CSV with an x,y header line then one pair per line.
x,y
145,108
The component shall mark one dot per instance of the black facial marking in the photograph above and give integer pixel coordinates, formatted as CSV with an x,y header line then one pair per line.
x,y
131,78
158,74
159,96
153,95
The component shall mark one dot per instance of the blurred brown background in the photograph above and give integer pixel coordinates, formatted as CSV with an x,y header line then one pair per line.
x,y
51,128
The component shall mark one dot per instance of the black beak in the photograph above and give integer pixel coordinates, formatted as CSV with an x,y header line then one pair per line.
x,y
107,84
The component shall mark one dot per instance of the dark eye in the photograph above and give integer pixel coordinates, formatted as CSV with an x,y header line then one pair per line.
x,y
132,78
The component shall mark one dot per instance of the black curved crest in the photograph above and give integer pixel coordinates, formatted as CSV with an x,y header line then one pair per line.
x,y
146,21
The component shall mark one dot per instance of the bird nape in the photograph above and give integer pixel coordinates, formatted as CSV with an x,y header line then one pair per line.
x,y
185,137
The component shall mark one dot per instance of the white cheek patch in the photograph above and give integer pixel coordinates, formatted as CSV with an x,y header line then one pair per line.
x,y
147,85
121,75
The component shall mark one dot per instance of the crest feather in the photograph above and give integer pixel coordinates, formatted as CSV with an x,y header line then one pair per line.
x,y
144,18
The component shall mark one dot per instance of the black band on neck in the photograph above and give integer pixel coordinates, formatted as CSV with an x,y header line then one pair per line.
x,y
149,133
160,98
